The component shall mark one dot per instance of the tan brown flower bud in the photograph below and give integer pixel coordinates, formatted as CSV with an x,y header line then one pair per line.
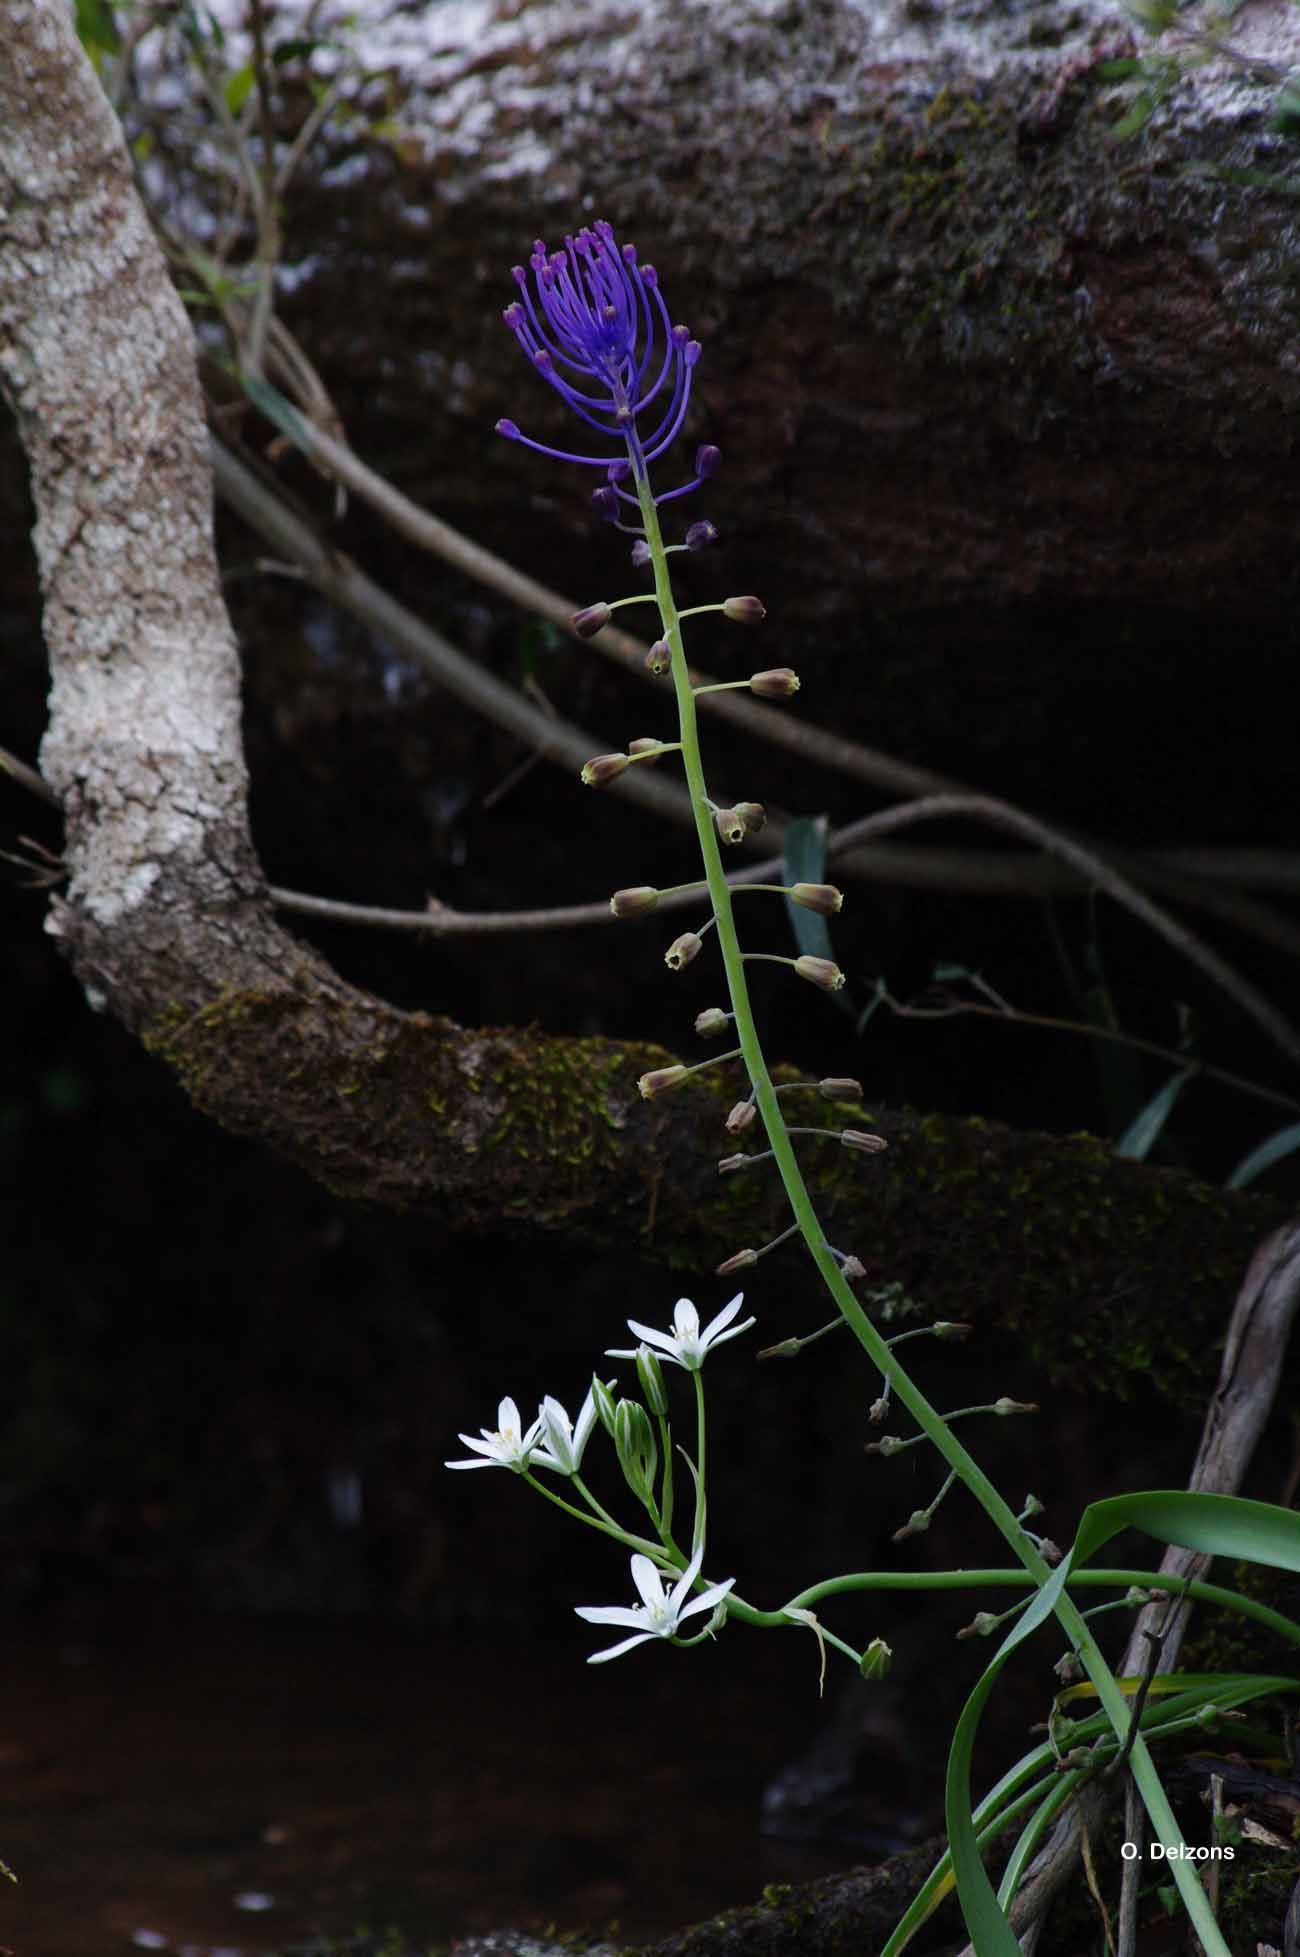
x,y
603,769
838,1087
661,1080
588,622
753,815
659,659
744,611
819,971
730,825
823,898
852,1269
712,1023
777,684
635,902
1004,1406
859,1138
681,951
740,1260
740,1117
645,744
729,1164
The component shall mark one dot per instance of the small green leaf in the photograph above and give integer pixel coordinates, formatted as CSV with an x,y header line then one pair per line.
x,y
1285,1142
239,87
295,50
96,27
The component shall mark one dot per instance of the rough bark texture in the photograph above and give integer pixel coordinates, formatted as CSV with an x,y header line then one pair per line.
x,y
960,347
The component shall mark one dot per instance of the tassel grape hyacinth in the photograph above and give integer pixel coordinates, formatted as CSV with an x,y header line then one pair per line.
x,y
599,332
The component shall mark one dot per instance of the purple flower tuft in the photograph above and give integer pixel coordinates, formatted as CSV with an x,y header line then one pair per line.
x,y
593,323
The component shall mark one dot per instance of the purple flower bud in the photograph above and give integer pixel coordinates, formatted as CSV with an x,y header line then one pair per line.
x,y
700,535
604,769
605,503
778,683
744,611
646,744
618,471
660,1081
640,554
707,458
588,622
659,659
509,429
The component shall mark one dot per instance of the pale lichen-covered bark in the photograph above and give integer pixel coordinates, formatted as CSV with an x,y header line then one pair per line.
x,y
960,347
143,744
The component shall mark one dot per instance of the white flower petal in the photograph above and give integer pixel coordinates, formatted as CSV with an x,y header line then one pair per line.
x,y
683,1584
686,1320
724,1317
649,1583
664,1340
617,1650
474,1464
611,1614
708,1598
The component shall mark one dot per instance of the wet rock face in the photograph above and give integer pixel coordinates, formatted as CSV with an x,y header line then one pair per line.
x,y
959,346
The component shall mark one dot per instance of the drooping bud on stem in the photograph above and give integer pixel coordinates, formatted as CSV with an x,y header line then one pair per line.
x,y
740,1260
753,815
661,1080
700,535
730,825
604,769
589,621
859,1138
635,902
659,659
682,950
779,683
712,1023
823,898
836,1087
821,972
740,1117
742,611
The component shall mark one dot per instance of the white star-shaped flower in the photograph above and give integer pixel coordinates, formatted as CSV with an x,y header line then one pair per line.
x,y
508,1447
660,1613
565,1443
686,1345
